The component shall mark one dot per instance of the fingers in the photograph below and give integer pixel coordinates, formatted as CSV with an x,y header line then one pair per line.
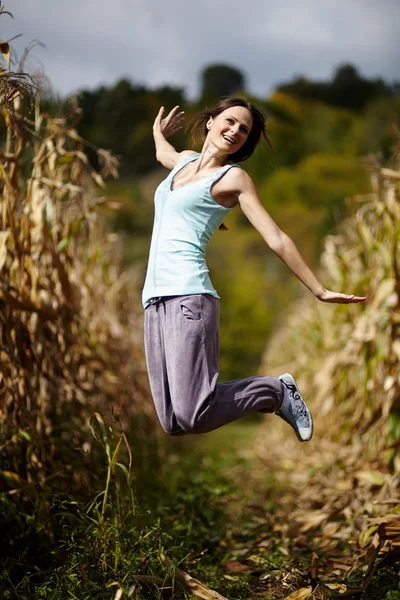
x,y
173,111
172,130
175,121
337,298
354,299
169,124
174,115
159,116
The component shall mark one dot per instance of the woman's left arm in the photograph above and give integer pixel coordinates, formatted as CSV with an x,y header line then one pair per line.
x,y
280,242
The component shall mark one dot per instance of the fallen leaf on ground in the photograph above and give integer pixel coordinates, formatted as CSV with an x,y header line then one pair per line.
x,y
233,566
193,585
301,594
337,587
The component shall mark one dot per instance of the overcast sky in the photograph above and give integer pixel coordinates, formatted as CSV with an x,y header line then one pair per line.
x,y
157,42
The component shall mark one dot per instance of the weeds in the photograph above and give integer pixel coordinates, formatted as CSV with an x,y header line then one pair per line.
x,y
114,541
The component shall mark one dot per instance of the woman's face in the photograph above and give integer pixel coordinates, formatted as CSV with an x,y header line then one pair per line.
x,y
229,130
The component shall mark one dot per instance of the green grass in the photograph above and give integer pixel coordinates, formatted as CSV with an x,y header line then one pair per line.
x,y
202,513
75,549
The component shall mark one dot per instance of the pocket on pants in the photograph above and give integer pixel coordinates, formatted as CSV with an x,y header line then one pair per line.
x,y
191,307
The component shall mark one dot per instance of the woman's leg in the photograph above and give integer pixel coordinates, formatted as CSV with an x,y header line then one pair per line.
x,y
191,344
157,370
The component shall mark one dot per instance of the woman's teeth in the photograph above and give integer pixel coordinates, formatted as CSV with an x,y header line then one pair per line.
x,y
228,139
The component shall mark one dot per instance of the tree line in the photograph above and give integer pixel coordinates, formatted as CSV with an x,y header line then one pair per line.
x,y
120,116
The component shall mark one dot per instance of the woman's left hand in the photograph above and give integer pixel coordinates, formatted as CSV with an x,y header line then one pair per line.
x,y
337,298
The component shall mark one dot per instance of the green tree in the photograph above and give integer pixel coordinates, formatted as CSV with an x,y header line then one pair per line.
x,y
220,80
120,118
382,123
350,90
346,89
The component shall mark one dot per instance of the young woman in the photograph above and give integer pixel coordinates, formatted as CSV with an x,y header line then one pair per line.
x,y
181,305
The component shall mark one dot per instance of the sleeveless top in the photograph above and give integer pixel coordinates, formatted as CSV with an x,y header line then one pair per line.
x,y
184,221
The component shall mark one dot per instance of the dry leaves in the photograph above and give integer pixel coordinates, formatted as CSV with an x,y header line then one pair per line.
x,y
344,493
195,586
301,594
70,331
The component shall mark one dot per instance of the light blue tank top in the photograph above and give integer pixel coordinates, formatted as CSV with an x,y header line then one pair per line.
x,y
184,221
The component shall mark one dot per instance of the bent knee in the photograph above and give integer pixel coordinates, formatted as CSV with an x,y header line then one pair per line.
x,y
191,424
169,428
174,431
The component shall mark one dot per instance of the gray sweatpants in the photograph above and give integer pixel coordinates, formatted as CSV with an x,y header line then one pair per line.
x,y
182,349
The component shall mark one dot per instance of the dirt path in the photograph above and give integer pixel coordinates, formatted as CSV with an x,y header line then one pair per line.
x,y
301,519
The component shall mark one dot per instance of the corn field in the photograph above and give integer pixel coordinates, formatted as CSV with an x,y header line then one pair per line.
x,y
71,364
70,333
345,483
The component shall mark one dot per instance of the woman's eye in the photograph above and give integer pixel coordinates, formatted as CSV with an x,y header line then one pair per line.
x,y
230,120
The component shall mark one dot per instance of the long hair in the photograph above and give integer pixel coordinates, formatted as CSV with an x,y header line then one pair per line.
x,y
199,125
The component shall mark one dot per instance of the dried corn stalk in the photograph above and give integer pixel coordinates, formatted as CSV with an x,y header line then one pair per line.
x,y
346,360
70,335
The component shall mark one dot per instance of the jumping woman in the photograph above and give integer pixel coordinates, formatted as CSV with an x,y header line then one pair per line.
x,y
181,305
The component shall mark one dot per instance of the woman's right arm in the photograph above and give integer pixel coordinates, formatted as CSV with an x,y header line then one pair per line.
x,y
163,128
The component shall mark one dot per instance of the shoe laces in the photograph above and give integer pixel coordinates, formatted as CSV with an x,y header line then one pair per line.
x,y
299,410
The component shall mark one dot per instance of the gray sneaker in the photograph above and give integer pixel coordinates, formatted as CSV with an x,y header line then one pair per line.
x,y
296,413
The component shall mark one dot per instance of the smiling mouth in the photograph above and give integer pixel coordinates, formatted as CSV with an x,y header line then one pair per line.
x,y
230,140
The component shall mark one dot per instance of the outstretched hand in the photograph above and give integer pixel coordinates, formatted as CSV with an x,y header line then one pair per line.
x,y
170,124
337,298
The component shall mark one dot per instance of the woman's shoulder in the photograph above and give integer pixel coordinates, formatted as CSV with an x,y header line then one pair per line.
x,y
183,157
186,153
238,177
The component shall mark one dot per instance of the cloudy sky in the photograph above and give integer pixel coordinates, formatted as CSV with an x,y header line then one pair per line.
x,y
89,42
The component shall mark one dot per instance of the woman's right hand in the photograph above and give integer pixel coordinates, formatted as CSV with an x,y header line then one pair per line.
x,y
170,124
337,298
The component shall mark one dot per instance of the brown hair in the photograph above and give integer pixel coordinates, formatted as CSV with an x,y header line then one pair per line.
x,y
199,124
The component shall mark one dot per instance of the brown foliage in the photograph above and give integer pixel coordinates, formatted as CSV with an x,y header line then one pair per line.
x,y
70,333
343,495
